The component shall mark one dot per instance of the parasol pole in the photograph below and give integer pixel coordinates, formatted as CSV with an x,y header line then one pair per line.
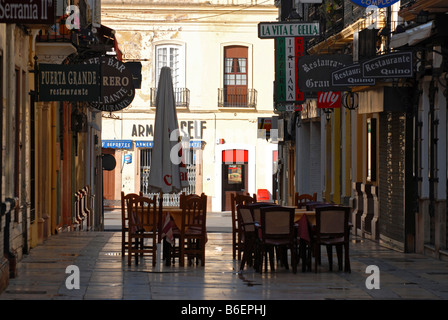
x,y
159,233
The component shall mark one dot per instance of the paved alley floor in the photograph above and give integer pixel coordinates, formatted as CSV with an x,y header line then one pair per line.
x,y
104,275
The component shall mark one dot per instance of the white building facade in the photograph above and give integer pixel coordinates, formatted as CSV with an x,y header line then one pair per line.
x,y
223,80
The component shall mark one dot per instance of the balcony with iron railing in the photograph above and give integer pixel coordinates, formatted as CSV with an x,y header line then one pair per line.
x,y
181,96
237,98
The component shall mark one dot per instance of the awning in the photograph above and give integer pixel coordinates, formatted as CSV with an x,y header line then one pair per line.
x,y
412,36
116,144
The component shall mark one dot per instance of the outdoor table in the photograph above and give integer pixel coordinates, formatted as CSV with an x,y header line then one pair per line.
x,y
171,218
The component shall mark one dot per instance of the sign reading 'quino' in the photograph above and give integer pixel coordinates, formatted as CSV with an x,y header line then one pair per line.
x,y
377,3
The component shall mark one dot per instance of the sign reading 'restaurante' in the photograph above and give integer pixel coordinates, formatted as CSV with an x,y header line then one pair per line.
x,y
377,3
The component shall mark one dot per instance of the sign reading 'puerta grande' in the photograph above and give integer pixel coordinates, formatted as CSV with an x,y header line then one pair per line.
x,y
117,87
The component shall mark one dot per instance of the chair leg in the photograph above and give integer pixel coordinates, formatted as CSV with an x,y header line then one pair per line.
x,y
339,254
234,245
347,258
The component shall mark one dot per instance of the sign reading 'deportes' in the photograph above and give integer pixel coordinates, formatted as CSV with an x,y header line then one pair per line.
x,y
270,30
27,11
315,71
68,82
117,87
391,65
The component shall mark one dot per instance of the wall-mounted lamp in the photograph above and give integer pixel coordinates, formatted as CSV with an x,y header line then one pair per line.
x,y
350,100
328,112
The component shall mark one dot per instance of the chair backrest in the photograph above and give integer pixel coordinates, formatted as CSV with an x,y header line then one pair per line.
x,y
142,213
184,197
245,217
245,199
239,199
255,209
277,222
125,199
302,199
194,212
332,220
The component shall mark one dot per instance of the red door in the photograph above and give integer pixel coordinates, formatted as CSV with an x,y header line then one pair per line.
x,y
109,179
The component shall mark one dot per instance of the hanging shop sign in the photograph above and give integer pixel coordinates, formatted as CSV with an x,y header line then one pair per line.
x,y
27,11
315,71
271,30
350,76
117,87
287,52
69,82
391,65
328,99
376,3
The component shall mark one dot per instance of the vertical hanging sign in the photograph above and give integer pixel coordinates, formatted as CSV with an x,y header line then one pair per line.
x,y
287,52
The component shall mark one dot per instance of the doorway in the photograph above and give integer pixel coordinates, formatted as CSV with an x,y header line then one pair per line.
x,y
234,175
109,179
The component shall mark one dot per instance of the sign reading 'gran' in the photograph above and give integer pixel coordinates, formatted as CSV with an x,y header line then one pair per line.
x,y
315,71
27,11
270,30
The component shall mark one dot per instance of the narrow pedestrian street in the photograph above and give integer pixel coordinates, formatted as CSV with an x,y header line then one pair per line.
x,y
104,275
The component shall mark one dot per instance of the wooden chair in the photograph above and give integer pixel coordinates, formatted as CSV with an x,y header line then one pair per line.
x,y
193,233
125,219
249,235
175,247
236,199
332,229
301,200
143,224
277,230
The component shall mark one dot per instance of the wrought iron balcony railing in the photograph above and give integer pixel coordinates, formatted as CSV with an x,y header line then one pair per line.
x,y
181,96
237,98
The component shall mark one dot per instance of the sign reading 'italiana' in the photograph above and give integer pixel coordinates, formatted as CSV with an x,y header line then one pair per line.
x,y
270,30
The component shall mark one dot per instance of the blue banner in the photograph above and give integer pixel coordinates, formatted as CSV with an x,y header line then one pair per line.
x,y
144,144
116,144
377,3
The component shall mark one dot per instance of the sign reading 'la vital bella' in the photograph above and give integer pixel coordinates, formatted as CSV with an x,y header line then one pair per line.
x,y
271,30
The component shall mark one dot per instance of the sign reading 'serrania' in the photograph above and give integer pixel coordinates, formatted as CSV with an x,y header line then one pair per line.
x,y
68,82
270,30
27,11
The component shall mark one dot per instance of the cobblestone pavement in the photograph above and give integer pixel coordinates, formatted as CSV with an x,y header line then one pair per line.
x,y
105,275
